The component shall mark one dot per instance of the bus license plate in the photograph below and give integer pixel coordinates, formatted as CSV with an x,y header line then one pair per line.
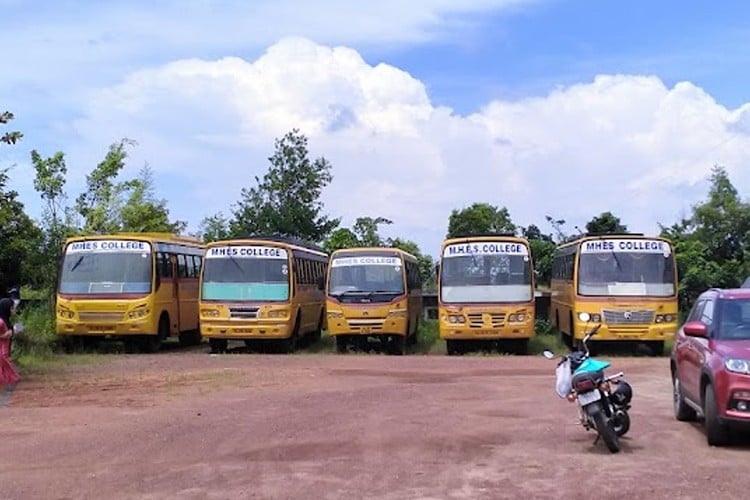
x,y
587,398
365,329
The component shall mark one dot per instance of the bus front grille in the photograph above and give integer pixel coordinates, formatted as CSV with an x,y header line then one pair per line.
x,y
483,320
627,317
243,312
100,317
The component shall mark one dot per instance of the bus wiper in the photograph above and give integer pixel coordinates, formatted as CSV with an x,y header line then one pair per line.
x,y
617,260
78,262
234,261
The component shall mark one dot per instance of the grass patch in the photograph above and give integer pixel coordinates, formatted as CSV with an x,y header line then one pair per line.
x,y
429,338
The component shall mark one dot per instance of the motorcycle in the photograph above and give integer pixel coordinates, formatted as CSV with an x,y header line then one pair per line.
x,y
602,401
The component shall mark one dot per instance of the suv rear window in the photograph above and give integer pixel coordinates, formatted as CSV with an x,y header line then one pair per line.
x,y
734,319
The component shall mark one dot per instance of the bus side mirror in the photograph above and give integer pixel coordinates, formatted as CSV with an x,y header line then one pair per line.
x,y
322,283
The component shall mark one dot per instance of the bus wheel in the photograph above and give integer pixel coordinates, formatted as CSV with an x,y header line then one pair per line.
x,y
318,333
218,346
657,348
152,343
192,337
453,347
289,345
342,344
396,345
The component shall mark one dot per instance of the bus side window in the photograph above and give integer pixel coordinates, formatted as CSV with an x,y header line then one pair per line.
x,y
181,266
198,262
165,265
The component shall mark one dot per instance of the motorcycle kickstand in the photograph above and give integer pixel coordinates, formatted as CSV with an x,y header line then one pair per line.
x,y
597,439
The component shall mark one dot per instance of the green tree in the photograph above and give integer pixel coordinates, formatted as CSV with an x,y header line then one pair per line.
x,y
99,204
712,245
367,231
605,223
287,200
342,237
214,228
9,137
142,211
20,240
478,219
110,206
57,219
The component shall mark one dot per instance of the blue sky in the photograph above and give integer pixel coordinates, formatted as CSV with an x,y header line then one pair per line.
x,y
547,106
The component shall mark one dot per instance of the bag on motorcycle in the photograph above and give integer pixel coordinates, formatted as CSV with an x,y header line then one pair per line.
x,y
562,372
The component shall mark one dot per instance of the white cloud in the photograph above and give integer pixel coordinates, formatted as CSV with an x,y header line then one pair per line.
x,y
623,143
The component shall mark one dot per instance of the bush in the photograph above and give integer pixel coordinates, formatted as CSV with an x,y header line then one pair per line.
x,y
38,338
544,327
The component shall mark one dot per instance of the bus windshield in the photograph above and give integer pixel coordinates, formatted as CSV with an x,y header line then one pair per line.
x,y
106,267
648,270
246,273
379,278
502,275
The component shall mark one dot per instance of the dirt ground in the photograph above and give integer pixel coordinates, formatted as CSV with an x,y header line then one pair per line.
x,y
186,424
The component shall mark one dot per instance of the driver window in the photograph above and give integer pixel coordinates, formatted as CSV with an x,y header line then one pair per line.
x,y
707,316
695,314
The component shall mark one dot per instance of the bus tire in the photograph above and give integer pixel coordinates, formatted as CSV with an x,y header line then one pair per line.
x,y
289,344
396,345
218,346
656,347
342,344
152,343
453,347
317,334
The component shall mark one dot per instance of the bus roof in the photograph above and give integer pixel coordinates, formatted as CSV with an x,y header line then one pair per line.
x,y
613,236
148,236
488,237
406,254
293,243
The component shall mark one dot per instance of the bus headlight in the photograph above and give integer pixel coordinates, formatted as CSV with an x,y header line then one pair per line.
x,y
65,313
586,317
517,317
138,313
210,313
665,318
397,313
277,313
456,318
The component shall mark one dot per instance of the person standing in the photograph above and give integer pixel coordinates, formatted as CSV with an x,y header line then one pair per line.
x,y
9,376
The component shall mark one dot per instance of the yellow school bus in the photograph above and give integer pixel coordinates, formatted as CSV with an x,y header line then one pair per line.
x,y
626,282
138,287
374,292
486,291
262,289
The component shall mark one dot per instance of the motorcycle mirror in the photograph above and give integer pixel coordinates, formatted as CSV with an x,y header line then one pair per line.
x,y
584,316
548,354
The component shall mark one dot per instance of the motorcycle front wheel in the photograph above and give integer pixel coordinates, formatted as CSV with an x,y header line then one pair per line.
x,y
604,428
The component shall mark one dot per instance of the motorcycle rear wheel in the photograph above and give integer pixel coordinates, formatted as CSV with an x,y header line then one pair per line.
x,y
604,428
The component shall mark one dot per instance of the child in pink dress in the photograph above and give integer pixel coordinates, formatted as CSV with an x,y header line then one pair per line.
x,y
9,376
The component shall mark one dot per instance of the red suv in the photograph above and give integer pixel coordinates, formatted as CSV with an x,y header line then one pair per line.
x,y
710,363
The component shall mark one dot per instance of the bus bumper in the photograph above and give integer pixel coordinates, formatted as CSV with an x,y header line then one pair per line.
x,y
68,328
649,332
245,331
450,332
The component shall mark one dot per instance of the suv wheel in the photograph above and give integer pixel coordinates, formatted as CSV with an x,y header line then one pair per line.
x,y
716,433
682,411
